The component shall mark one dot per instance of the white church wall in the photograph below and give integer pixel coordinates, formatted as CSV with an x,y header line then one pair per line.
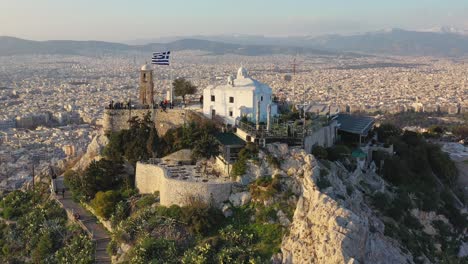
x,y
245,93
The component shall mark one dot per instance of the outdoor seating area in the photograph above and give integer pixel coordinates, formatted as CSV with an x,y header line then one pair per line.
x,y
202,172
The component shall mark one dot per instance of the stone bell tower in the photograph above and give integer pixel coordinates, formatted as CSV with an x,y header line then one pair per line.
x,y
146,85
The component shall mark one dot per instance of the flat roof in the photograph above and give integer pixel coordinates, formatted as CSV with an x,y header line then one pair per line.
x,y
229,139
355,124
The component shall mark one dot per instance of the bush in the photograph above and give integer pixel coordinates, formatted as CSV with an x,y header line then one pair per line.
x,y
79,249
201,218
146,201
387,130
323,183
44,248
273,161
324,172
104,203
338,152
174,211
269,237
412,222
154,250
239,168
320,152
121,212
266,214
381,201
17,203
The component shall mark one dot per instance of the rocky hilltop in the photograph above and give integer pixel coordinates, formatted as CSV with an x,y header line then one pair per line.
x,y
327,211
93,152
325,230
332,224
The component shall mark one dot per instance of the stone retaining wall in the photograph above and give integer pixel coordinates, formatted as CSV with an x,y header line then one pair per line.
x,y
324,137
151,178
117,119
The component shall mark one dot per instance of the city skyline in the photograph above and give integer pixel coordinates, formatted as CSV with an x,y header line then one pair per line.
x,y
88,20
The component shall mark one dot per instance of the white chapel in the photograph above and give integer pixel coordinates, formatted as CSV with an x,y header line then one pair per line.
x,y
242,96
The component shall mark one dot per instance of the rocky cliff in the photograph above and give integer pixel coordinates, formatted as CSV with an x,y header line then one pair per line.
x,y
93,152
332,224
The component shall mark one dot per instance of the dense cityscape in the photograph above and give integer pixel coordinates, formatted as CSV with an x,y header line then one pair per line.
x,y
53,104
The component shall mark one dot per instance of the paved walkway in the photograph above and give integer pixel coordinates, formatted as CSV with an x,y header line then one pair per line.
x,y
88,222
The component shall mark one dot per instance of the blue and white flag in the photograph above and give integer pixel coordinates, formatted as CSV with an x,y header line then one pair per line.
x,y
161,58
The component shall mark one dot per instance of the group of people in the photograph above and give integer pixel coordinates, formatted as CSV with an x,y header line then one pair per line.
x,y
119,105
166,104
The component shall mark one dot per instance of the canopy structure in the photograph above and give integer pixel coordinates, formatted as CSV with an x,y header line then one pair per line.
x,y
230,139
356,125
360,125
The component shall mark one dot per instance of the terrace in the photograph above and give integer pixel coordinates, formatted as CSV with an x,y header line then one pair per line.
x,y
203,171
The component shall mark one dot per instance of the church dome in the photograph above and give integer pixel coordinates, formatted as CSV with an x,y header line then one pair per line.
x,y
242,73
146,67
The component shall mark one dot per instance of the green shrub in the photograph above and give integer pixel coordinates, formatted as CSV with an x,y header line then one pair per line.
x,y
381,201
153,250
266,214
319,152
273,161
338,152
239,168
412,222
324,172
146,201
17,203
79,249
44,248
386,131
121,212
174,211
104,203
323,183
269,237
201,218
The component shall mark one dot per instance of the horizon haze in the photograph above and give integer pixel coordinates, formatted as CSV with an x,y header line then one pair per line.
x,y
143,19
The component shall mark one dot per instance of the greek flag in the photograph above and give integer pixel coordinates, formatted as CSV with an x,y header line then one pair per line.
x,y
161,58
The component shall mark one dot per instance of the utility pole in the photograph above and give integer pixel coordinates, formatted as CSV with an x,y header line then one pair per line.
x,y
129,109
33,187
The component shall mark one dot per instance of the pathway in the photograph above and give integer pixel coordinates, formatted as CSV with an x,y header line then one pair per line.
x,y
88,222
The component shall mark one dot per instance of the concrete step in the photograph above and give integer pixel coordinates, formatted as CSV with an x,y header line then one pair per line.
x,y
102,260
104,239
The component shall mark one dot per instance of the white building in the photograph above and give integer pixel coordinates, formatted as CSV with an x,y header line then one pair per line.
x,y
239,97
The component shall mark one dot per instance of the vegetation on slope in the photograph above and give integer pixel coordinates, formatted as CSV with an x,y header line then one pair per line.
x,y
422,177
194,234
34,229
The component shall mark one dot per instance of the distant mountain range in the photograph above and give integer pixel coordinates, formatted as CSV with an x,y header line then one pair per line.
x,y
16,46
447,42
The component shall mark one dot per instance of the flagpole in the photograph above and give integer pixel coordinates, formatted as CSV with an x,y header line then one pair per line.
x,y
170,83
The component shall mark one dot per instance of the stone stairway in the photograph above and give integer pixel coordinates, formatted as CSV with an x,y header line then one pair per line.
x,y
89,224
101,255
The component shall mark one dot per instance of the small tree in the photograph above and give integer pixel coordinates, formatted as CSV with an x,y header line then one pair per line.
x,y
104,203
206,147
183,87
385,131
320,152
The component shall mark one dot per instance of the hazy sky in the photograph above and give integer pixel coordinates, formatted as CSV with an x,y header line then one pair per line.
x,y
120,20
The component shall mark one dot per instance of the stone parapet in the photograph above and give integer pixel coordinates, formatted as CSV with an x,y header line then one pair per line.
x,y
151,178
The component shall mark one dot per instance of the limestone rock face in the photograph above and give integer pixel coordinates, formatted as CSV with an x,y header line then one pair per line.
x,y
93,152
328,229
240,199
